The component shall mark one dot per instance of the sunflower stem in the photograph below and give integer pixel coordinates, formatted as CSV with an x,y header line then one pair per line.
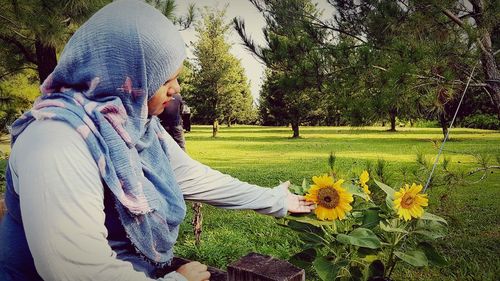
x,y
390,262
392,268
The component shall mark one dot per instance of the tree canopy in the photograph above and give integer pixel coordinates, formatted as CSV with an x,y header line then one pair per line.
x,y
221,91
375,60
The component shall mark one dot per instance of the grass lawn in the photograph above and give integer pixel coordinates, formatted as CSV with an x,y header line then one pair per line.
x,y
266,156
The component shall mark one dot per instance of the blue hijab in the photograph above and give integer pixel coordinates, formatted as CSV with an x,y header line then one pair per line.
x,y
107,72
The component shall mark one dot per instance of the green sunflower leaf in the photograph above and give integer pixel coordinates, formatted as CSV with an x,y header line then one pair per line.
x,y
305,187
432,217
370,218
360,237
389,202
432,255
355,190
415,258
388,228
325,268
431,229
309,220
296,189
387,189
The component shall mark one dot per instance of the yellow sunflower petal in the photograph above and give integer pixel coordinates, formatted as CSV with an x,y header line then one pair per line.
x,y
417,187
338,183
313,188
323,181
406,214
321,212
366,190
311,198
364,177
334,214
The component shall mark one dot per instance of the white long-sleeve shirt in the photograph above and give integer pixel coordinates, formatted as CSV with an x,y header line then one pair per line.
x,y
62,202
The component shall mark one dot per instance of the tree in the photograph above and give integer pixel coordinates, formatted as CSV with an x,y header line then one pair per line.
x,y
271,106
32,32
221,91
236,102
481,31
418,54
16,96
167,7
291,53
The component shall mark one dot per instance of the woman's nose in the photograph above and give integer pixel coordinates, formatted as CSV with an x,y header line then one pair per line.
x,y
177,87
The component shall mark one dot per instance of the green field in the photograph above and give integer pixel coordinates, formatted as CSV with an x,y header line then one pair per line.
x,y
266,156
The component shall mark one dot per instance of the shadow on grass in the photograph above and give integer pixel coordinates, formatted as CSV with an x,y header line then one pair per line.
x,y
340,130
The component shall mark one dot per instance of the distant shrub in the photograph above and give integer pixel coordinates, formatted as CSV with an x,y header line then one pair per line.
x,y
423,123
481,121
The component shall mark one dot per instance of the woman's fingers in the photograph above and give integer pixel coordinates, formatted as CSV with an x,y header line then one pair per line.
x,y
194,271
298,204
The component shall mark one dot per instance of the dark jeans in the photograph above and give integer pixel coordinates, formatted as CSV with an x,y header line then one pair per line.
x,y
186,122
177,133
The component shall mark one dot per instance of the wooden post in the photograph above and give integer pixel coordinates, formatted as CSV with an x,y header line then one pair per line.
x,y
257,267
197,222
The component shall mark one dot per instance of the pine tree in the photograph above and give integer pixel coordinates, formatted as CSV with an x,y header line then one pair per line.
x,y
221,91
33,31
292,54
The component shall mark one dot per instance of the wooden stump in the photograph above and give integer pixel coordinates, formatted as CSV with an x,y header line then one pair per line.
x,y
257,267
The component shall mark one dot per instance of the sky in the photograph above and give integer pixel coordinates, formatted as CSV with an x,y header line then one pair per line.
x,y
254,23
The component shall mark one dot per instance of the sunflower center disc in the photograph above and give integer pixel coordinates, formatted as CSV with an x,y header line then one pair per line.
x,y
328,198
407,201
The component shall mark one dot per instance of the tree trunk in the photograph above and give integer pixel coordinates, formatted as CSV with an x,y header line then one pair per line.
x,y
392,114
444,123
491,72
295,128
46,59
197,223
490,67
215,128
488,62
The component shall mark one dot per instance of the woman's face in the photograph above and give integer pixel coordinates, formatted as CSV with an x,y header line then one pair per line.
x,y
157,103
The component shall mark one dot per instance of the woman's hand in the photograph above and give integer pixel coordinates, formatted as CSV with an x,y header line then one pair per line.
x,y
194,271
297,203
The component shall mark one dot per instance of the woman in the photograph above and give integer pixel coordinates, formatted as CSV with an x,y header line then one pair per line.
x,y
95,186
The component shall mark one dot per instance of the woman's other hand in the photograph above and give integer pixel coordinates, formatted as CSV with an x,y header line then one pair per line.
x,y
297,203
194,271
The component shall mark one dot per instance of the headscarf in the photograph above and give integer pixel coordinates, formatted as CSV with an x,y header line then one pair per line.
x,y
109,69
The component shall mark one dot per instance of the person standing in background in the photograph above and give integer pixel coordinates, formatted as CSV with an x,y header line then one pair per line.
x,y
171,120
186,118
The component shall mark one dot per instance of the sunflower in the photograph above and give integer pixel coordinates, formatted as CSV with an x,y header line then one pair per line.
x,y
363,179
409,201
332,200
